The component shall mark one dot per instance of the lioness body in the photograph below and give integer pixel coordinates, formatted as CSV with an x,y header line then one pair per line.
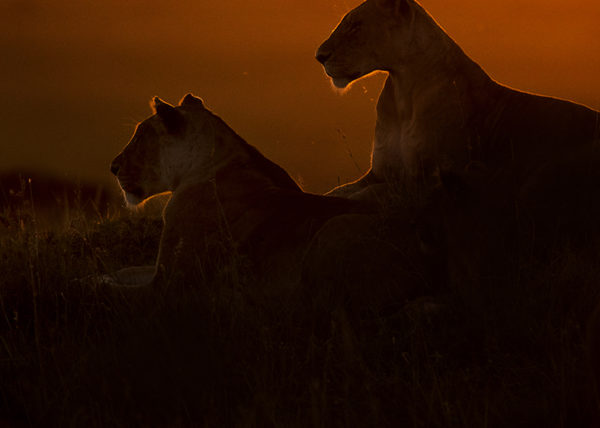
x,y
229,203
245,215
438,108
594,350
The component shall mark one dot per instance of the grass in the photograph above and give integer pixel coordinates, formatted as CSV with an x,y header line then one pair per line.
x,y
73,353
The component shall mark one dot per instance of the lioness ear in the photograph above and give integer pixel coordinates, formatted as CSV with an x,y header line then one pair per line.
x,y
396,7
191,101
172,119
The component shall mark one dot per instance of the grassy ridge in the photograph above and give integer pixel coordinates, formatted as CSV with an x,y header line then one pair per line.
x,y
73,353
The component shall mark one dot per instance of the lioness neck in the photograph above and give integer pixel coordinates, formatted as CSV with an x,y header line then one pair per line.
x,y
436,83
209,153
234,160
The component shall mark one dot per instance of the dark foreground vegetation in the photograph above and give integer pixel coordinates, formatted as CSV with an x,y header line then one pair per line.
x,y
508,352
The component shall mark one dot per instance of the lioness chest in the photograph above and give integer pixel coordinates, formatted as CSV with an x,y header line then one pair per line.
x,y
413,137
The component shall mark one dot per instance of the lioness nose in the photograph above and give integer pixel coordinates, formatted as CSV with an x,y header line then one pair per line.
x,y
322,55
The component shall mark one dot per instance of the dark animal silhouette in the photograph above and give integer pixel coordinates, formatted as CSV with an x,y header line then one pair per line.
x,y
232,208
438,108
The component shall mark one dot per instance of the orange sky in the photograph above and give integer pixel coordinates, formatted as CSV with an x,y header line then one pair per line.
x,y
75,76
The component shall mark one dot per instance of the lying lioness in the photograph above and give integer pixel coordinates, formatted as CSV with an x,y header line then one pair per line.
x,y
438,108
227,199
231,205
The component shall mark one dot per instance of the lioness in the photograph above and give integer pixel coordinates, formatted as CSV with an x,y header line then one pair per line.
x,y
229,203
594,350
438,108
486,233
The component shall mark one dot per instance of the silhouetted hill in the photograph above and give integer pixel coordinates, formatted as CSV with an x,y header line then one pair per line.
x,y
51,200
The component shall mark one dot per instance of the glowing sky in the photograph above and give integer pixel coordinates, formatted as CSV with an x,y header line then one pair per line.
x,y
75,76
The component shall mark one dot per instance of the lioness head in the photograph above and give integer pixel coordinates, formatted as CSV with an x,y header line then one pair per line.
x,y
373,36
164,149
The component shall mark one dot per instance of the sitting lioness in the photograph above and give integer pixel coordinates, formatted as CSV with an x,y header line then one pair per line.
x,y
229,203
438,108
